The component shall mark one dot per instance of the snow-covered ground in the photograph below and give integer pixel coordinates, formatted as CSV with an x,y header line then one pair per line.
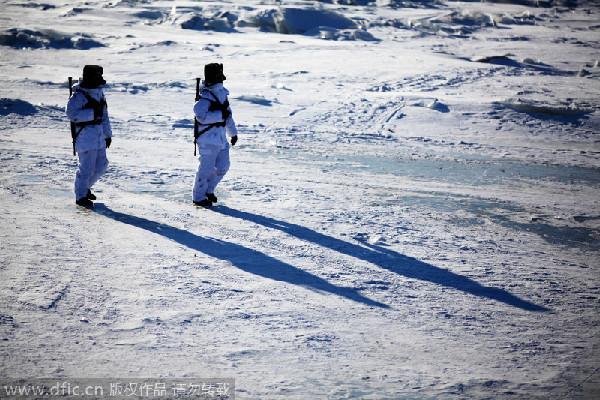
x,y
412,210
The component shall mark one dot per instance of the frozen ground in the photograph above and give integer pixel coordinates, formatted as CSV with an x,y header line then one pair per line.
x,y
412,210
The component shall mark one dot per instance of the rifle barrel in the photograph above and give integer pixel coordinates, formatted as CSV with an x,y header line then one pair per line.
x,y
73,133
195,120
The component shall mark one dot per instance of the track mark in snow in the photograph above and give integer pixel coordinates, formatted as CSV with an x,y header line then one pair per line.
x,y
44,298
57,297
582,382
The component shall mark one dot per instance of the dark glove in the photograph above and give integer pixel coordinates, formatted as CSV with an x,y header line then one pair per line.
x,y
234,140
108,142
226,114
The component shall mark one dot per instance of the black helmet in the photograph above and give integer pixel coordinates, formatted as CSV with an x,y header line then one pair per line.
x,y
92,77
213,74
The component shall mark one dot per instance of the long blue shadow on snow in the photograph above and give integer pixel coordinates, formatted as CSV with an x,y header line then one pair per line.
x,y
246,259
388,259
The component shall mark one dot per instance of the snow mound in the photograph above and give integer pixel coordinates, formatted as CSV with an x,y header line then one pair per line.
x,y
466,18
47,39
150,17
299,21
16,106
508,60
459,23
324,24
150,14
214,21
41,6
505,60
325,32
432,104
560,109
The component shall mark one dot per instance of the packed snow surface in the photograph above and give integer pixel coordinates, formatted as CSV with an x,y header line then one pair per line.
x,y
412,210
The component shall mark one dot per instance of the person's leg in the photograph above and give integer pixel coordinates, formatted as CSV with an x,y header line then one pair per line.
x,y
87,161
99,167
222,165
206,167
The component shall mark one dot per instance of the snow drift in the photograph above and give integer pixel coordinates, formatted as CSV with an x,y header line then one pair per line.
x,y
321,23
46,38
16,106
557,109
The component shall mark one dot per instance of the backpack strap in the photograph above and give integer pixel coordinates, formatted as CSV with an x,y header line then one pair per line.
x,y
90,99
215,105
82,125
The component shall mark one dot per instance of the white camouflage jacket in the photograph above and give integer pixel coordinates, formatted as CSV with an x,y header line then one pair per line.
x,y
214,135
90,137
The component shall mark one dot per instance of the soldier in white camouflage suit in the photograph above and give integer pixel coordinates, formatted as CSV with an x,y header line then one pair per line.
x,y
87,110
216,125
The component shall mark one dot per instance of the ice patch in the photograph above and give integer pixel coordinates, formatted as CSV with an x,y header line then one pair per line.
x,y
46,39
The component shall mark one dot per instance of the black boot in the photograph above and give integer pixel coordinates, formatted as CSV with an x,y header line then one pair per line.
x,y
211,197
84,202
90,195
204,203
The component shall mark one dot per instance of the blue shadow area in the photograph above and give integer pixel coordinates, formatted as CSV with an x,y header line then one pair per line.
x,y
388,259
246,259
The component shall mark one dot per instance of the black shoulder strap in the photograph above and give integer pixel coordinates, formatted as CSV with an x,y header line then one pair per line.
x,y
214,106
90,98
87,96
216,101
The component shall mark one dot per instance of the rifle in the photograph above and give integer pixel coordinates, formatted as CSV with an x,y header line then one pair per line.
x,y
195,120
73,128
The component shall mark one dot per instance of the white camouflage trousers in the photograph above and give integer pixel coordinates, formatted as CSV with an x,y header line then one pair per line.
x,y
214,164
92,165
